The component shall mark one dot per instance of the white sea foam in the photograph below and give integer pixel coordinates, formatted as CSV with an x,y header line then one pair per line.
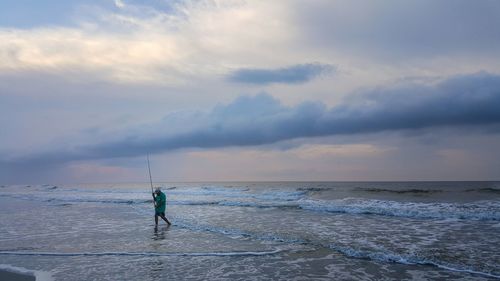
x,y
406,259
149,254
281,195
479,210
225,189
235,232
348,251
270,204
241,193
482,210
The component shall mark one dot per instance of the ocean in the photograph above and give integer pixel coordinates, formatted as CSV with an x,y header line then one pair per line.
x,y
255,231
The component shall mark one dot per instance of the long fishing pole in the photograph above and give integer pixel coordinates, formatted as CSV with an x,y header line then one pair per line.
x,y
150,178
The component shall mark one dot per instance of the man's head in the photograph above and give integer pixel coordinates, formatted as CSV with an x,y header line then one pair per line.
x,y
157,190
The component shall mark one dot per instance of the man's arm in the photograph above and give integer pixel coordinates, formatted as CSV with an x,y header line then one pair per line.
x,y
154,200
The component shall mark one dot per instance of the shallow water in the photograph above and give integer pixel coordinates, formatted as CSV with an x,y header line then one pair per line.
x,y
255,231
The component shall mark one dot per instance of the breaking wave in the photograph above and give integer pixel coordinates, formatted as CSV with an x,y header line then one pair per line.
x,y
407,259
149,254
350,251
312,189
97,200
354,252
481,210
400,191
486,190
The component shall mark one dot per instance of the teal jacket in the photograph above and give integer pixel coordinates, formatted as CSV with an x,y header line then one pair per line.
x,y
161,202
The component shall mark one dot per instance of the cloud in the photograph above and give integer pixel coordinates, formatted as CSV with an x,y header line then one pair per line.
x,y
467,100
119,4
143,42
402,30
295,74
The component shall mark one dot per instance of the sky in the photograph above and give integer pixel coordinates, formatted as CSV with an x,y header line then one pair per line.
x,y
235,90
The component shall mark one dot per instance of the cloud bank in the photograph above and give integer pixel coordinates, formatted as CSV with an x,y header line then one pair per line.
x,y
295,74
467,100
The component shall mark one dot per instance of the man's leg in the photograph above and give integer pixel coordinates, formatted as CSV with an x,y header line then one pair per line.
x,y
162,215
156,219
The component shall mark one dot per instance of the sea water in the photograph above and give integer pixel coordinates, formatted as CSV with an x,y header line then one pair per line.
x,y
255,231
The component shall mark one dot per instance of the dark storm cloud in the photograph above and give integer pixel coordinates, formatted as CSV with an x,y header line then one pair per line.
x,y
296,74
468,100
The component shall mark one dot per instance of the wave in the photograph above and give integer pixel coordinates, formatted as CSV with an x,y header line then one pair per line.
x,y
225,189
399,191
406,259
227,203
312,189
242,193
352,252
280,195
236,232
481,210
98,200
263,205
376,255
486,190
149,254
192,202
478,210
348,251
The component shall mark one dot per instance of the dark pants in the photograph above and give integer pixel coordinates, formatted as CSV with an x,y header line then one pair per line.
x,y
161,215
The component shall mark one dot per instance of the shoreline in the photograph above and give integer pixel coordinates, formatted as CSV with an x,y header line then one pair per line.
x,y
15,276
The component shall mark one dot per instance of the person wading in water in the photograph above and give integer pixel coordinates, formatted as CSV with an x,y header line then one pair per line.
x,y
160,201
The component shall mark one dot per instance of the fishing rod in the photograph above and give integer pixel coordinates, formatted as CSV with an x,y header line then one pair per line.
x,y
150,178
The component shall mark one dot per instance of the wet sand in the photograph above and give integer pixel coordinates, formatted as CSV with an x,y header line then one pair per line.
x,y
11,276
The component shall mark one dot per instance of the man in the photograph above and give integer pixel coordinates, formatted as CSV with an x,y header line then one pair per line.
x,y
160,201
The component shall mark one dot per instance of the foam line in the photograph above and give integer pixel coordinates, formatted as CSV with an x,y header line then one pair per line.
x,y
235,232
466,270
148,254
